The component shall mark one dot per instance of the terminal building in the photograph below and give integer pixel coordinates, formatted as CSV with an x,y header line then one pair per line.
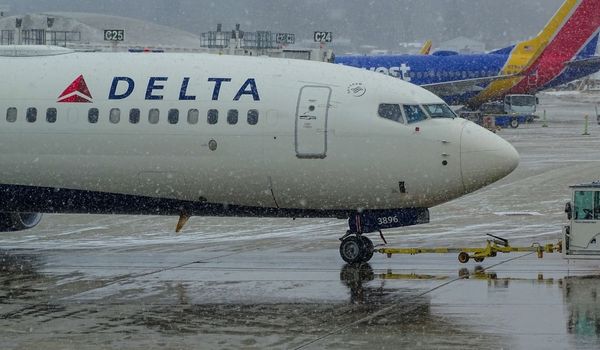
x,y
85,31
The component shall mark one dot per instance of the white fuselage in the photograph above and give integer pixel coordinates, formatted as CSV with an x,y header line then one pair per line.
x,y
318,142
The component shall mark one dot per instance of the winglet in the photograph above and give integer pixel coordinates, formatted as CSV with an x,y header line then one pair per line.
x,y
426,49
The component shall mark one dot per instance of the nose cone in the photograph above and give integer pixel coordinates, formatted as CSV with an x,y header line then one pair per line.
x,y
485,157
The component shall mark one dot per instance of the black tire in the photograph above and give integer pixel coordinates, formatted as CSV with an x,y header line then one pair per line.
x,y
514,123
352,250
478,259
10,222
463,257
369,248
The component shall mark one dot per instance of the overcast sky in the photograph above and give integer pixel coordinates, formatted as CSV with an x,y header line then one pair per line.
x,y
382,23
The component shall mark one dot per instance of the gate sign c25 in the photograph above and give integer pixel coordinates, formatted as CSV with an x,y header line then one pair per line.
x,y
114,34
285,38
323,37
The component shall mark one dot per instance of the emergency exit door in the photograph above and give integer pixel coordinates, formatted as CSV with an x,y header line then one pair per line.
x,y
311,122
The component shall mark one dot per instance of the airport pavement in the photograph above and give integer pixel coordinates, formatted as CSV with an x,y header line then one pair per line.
x,y
104,282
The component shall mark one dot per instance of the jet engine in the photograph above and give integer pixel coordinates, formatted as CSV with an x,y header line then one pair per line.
x,y
18,221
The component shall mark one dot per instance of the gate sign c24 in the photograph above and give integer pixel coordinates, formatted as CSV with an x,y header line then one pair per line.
x,y
114,34
323,37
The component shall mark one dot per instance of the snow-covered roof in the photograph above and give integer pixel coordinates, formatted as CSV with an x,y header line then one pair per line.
x,y
462,43
91,26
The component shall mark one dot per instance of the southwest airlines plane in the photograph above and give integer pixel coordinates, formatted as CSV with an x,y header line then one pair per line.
x,y
198,134
562,52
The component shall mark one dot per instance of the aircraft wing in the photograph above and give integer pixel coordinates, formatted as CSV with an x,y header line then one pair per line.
x,y
585,62
456,87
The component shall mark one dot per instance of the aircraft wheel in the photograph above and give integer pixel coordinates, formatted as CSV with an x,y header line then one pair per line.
x,y
514,123
478,259
352,250
369,249
463,257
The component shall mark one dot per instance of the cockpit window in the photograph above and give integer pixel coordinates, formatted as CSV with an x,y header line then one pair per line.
x,y
439,111
391,112
414,113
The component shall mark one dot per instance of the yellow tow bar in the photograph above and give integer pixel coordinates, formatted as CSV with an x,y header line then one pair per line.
x,y
492,248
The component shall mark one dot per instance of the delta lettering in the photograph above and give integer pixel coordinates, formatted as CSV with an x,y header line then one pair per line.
x,y
122,87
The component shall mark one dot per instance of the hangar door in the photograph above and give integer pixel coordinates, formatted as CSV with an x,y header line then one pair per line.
x,y
311,122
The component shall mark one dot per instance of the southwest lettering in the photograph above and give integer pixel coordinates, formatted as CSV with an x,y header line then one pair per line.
x,y
113,95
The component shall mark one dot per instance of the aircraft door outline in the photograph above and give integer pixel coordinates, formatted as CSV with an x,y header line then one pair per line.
x,y
312,112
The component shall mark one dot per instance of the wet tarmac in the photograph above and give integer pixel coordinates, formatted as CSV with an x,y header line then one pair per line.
x,y
121,282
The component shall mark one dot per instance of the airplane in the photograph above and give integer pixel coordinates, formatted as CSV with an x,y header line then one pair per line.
x,y
562,52
206,135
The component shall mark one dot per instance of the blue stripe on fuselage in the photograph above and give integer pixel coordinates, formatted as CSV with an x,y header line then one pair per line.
x,y
431,69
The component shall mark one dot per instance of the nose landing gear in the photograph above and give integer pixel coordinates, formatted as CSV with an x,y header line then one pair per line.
x,y
356,248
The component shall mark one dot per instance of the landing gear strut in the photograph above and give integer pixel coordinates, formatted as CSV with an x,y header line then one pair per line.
x,y
356,248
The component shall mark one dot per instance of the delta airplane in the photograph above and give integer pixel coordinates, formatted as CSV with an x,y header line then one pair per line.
x,y
563,51
198,134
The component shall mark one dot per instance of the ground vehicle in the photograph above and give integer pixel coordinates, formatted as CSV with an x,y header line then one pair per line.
x,y
513,111
582,235
520,104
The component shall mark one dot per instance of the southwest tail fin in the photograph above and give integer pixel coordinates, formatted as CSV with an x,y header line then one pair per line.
x,y
576,38
533,63
527,52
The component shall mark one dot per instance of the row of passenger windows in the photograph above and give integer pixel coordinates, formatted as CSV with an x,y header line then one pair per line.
x,y
414,113
135,115
451,74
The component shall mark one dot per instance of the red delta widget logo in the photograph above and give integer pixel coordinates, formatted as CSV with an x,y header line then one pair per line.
x,y
76,92
123,87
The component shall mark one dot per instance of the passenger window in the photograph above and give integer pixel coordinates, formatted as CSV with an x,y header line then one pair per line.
x,y
11,115
93,114
153,116
51,115
391,112
232,116
31,114
192,116
253,117
212,116
173,116
134,116
115,115
414,113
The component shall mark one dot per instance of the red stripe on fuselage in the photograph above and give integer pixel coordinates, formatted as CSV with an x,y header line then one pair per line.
x,y
568,42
